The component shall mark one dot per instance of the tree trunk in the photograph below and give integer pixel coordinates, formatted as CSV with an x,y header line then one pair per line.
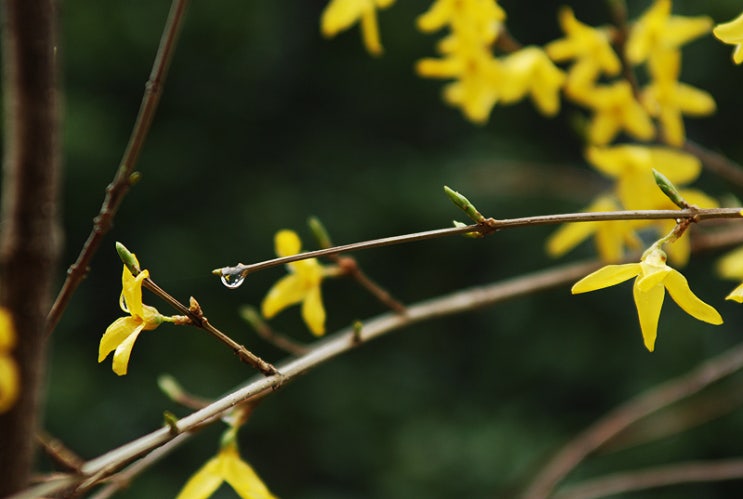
x,y
28,218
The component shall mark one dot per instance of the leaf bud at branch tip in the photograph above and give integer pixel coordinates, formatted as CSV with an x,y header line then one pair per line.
x,y
464,204
320,233
128,258
669,189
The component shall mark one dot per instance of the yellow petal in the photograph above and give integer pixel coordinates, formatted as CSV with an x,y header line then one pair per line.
x,y
124,351
9,383
241,476
606,276
652,278
204,482
569,236
313,311
340,15
287,243
436,17
370,31
736,294
648,305
131,292
679,290
730,266
730,32
115,334
288,291
7,330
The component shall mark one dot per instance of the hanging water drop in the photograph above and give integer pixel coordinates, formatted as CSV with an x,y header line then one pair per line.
x,y
232,281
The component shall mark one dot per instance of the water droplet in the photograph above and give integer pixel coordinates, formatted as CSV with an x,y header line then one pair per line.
x,y
232,281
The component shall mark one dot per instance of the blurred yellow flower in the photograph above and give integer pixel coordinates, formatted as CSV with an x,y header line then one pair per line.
x,y
302,285
615,110
226,466
9,378
611,237
340,15
730,266
732,34
530,71
631,166
652,278
668,99
123,332
466,52
588,47
657,30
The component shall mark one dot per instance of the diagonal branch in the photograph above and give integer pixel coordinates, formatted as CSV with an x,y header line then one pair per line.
x,y
118,188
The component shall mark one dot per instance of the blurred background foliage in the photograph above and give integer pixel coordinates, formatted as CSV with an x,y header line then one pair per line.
x,y
264,123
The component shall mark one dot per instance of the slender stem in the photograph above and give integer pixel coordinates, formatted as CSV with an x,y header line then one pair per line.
x,y
199,320
673,474
345,340
575,451
118,188
490,226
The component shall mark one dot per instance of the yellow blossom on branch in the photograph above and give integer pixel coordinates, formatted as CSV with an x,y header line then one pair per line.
x,y
123,332
657,30
668,99
615,110
530,71
732,34
9,378
302,285
340,15
588,47
652,278
631,166
227,466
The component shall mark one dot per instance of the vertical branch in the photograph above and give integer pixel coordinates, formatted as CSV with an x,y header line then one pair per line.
x,y
29,238
119,186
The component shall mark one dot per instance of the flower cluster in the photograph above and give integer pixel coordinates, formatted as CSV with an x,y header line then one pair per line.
x,y
480,79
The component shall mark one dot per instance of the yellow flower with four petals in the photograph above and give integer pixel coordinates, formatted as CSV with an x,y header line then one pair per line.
x,y
652,278
123,332
302,285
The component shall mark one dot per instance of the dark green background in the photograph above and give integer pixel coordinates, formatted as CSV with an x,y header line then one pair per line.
x,y
264,123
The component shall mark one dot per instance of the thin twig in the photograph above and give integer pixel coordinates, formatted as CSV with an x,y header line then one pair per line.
x,y
345,340
241,270
575,451
118,188
278,340
198,319
674,474
350,266
58,451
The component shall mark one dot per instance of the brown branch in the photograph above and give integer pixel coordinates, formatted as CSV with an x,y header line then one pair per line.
x,y
29,240
576,450
240,271
263,330
674,474
118,188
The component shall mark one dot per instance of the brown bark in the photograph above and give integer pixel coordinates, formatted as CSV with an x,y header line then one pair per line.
x,y
28,220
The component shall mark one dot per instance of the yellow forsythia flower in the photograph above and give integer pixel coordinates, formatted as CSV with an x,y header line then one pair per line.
x,y
302,285
226,466
631,166
530,71
732,34
652,278
588,47
123,332
339,15
615,110
657,30
9,378
611,237
668,99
